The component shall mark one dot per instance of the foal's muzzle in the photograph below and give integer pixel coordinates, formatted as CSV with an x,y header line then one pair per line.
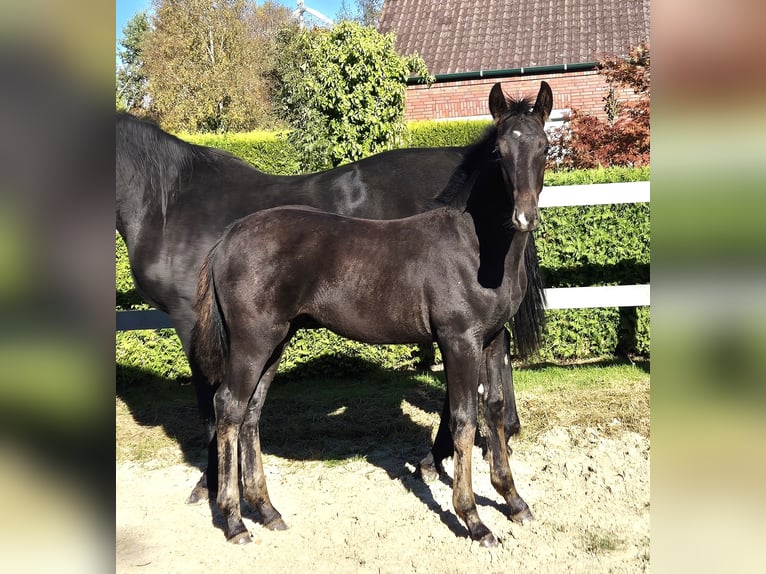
x,y
525,214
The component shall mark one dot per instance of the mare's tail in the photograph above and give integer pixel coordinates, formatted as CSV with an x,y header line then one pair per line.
x,y
527,325
210,339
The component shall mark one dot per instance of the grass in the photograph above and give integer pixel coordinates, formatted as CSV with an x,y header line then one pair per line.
x,y
600,542
334,420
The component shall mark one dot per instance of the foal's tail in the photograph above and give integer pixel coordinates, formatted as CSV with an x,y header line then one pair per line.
x,y
527,325
210,338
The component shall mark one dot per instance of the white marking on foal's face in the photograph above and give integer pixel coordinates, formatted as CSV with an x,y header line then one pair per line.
x,y
517,133
522,219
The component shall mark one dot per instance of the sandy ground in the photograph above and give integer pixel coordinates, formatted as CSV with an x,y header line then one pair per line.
x,y
589,494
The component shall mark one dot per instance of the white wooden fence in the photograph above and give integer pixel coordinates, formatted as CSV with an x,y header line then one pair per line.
x,y
557,298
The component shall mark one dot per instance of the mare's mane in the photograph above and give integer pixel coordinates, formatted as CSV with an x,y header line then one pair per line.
x,y
158,160
476,157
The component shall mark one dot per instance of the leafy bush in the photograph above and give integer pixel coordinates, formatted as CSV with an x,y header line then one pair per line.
x,y
444,134
270,152
624,137
342,90
158,352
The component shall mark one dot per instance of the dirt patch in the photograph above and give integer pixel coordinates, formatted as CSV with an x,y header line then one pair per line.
x,y
588,490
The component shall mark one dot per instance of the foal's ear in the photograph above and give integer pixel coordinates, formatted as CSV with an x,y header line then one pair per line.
x,y
497,104
544,102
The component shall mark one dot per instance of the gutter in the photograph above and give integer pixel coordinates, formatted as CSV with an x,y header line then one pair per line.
x,y
504,73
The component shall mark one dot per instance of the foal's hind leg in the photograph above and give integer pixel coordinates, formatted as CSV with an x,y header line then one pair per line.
x,y
230,411
253,477
231,403
494,408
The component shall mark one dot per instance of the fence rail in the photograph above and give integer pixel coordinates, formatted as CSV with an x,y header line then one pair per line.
x,y
557,298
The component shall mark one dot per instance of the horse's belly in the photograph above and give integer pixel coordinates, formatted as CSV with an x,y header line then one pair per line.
x,y
377,321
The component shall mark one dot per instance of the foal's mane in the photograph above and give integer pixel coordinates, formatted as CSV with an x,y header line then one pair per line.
x,y
158,159
476,157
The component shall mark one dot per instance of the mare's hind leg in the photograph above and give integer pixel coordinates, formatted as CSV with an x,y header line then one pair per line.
x,y
430,467
511,422
253,477
494,408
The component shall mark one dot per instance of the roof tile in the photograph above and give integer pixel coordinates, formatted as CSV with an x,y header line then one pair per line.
x,y
472,35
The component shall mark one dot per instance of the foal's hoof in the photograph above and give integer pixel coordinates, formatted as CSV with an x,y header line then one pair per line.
x,y
276,524
198,494
241,538
427,472
428,469
488,541
523,516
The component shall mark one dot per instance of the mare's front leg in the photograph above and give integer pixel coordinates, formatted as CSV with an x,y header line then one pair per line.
x,y
208,482
462,361
184,318
495,409
253,477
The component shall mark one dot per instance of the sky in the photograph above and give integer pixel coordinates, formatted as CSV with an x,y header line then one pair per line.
x,y
126,9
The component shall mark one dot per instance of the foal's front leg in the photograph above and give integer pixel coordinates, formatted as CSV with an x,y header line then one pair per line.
x,y
462,362
495,408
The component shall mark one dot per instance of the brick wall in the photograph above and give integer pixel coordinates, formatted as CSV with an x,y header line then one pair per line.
x,y
581,90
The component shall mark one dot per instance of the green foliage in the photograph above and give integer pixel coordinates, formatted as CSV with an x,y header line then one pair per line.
x,y
445,134
131,79
207,62
321,352
597,175
365,12
158,352
127,297
595,245
270,152
342,91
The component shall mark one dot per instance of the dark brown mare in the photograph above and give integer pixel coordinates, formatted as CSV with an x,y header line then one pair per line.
x,y
454,275
174,200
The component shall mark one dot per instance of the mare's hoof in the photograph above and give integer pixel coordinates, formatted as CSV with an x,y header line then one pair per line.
x,y
241,538
523,516
488,541
276,524
198,494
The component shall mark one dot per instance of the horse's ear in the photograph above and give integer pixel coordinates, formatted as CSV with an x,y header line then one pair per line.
x,y
544,102
498,106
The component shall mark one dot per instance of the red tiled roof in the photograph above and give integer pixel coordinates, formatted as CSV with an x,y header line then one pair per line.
x,y
467,36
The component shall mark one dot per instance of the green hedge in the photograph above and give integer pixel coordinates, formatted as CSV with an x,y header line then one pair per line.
x,y
578,246
268,151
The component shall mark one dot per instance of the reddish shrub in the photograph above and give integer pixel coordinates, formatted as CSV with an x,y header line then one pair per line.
x,y
623,138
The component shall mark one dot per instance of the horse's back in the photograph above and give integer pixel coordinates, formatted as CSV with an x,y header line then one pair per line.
x,y
347,274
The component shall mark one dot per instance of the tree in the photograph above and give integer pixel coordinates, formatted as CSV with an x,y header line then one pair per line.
x,y
205,63
624,137
365,12
342,91
131,79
